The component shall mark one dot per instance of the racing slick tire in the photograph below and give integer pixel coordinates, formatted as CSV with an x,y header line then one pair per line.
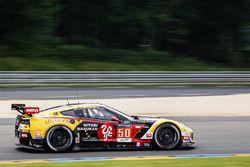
x,y
167,136
58,139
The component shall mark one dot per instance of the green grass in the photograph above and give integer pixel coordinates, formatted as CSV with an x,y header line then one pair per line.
x,y
57,64
84,58
196,162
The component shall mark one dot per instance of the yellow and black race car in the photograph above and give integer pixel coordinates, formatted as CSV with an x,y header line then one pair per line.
x,y
85,126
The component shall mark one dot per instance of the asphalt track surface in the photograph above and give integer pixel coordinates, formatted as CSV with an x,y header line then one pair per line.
x,y
96,93
214,135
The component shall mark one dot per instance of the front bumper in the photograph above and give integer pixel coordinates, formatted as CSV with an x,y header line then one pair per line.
x,y
187,137
187,144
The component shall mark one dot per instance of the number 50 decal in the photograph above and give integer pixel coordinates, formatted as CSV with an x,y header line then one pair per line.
x,y
123,133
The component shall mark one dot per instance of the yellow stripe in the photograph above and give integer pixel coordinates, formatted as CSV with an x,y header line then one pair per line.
x,y
143,158
7,163
23,162
242,155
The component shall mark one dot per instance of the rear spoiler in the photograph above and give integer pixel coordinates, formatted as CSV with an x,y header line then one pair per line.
x,y
17,106
25,110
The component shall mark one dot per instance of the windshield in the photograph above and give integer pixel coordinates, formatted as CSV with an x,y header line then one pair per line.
x,y
119,112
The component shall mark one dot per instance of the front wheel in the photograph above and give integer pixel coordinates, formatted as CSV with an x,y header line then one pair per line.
x,y
167,136
58,139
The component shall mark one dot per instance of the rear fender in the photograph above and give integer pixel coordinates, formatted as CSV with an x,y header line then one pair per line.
x,y
40,126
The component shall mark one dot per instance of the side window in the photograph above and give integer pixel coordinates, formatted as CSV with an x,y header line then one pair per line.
x,y
102,113
69,113
84,113
96,114
75,113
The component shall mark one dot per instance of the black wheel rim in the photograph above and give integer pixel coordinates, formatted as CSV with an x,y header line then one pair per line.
x,y
59,138
167,136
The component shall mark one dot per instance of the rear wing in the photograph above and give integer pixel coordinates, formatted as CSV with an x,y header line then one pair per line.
x,y
25,110
17,106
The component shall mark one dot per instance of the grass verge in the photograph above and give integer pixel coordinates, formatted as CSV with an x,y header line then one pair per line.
x,y
59,64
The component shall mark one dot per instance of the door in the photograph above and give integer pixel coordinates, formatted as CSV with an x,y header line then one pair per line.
x,y
98,129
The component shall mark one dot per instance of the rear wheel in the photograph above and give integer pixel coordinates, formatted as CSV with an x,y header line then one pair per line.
x,y
59,139
167,136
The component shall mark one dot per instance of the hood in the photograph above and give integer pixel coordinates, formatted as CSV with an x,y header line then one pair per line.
x,y
147,119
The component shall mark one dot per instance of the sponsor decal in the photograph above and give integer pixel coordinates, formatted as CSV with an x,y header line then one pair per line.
x,y
23,135
185,139
124,125
148,135
17,106
146,144
106,132
88,127
137,126
51,121
122,146
77,139
89,138
31,110
124,140
138,144
38,135
72,121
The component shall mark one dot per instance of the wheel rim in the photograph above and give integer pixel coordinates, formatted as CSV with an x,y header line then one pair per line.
x,y
167,137
59,138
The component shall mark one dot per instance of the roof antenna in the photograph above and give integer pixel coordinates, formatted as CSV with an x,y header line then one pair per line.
x,y
67,100
77,96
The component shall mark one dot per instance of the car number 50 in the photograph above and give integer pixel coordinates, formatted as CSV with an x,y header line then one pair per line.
x,y
123,133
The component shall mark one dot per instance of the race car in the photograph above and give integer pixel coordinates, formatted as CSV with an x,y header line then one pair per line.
x,y
95,126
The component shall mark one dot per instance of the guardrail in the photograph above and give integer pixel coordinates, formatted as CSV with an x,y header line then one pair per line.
x,y
122,77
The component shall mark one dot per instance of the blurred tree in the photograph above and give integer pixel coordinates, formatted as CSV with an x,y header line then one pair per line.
x,y
26,26
215,28
210,30
215,31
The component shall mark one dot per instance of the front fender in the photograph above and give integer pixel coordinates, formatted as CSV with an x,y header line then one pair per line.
x,y
152,129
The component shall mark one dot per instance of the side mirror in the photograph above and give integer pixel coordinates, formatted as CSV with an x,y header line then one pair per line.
x,y
115,119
